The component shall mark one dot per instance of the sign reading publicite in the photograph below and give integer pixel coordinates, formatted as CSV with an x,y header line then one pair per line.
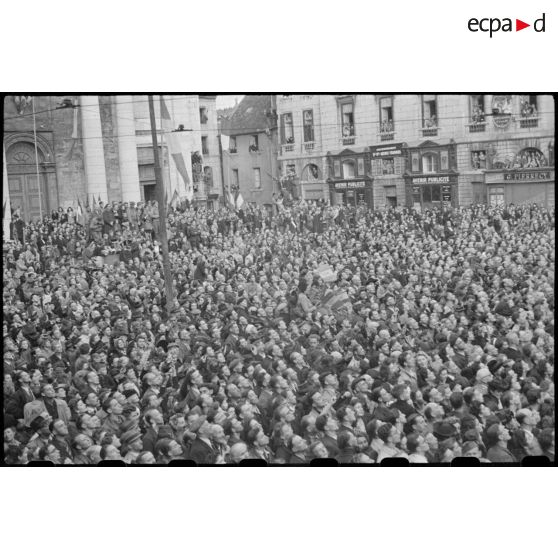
x,y
431,180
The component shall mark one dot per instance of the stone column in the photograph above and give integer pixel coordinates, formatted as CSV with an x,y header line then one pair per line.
x,y
7,215
93,152
127,150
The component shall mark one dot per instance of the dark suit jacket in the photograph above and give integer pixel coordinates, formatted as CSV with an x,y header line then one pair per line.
x,y
149,440
19,399
201,453
331,446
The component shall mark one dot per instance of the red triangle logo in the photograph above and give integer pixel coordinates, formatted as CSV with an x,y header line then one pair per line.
x,y
519,25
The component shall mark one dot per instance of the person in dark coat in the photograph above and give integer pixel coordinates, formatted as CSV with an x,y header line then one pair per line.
x,y
328,428
202,450
153,420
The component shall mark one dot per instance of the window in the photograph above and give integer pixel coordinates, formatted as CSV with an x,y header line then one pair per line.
x,y
337,168
388,165
348,169
203,115
308,125
429,163
254,145
360,166
478,159
528,111
528,106
415,162
290,169
502,104
205,149
257,179
232,144
431,193
386,115
287,131
496,196
444,162
208,177
347,120
235,181
477,108
429,111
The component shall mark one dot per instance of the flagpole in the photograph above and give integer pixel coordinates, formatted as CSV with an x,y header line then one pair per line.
x,y
160,188
222,170
37,159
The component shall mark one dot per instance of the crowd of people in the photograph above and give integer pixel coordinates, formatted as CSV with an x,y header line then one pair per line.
x,y
443,345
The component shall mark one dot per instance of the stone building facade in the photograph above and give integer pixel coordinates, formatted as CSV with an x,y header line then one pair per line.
x,y
101,146
250,158
422,150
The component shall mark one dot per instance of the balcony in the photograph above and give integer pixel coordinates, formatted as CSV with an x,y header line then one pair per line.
x,y
287,148
348,140
308,146
387,132
306,97
475,127
529,122
429,131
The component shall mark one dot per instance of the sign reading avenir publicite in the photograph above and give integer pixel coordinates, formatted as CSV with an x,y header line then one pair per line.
x,y
494,24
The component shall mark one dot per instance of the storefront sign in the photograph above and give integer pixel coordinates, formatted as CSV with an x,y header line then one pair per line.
x,y
392,150
526,175
431,180
350,185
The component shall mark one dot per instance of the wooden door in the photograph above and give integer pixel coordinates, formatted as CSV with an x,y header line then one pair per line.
x,y
24,194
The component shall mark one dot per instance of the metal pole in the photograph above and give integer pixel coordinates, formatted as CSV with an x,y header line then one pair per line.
x,y
219,139
160,189
37,160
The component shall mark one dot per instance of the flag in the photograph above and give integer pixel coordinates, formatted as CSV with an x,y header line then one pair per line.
x,y
337,302
100,201
178,149
79,210
326,273
239,201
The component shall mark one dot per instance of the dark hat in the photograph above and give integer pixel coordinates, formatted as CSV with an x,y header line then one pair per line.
x,y
165,432
130,437
494,365
37,423
443,429
357,381
384,414
471,435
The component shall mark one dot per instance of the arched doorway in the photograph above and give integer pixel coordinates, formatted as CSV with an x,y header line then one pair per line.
x,y
22,180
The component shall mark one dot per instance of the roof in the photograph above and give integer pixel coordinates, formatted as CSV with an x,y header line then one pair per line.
x,y
248,117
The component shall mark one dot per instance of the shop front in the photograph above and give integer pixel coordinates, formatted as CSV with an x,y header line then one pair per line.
x,y
352,193
350,182
520,187
387,168
425,192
